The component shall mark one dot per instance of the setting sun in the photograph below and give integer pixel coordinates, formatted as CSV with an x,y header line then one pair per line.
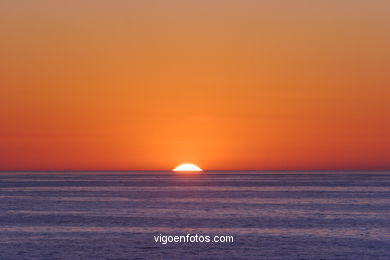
x,y
187,167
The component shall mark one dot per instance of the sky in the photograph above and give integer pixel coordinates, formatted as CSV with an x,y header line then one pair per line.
x,y
227,85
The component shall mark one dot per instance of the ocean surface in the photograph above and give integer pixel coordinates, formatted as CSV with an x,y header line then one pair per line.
x,y
271,215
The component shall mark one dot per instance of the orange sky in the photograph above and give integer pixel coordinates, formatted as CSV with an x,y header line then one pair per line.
x,y
123,85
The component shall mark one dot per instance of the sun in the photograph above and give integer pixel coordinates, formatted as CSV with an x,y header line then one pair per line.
x,y
187,167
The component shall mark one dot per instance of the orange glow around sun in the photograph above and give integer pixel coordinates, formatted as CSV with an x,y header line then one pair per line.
x,y
231,85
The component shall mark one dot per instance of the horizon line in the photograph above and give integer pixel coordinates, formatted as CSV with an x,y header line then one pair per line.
x,y
212,170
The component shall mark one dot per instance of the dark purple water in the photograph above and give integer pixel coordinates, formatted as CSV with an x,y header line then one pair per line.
x,y
271,215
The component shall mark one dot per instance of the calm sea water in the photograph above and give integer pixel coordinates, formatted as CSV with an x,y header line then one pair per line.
x,y
271,215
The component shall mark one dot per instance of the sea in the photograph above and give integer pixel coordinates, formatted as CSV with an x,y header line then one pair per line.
x,y
260,214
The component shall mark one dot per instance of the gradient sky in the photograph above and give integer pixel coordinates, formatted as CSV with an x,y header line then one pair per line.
x,y
249,84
